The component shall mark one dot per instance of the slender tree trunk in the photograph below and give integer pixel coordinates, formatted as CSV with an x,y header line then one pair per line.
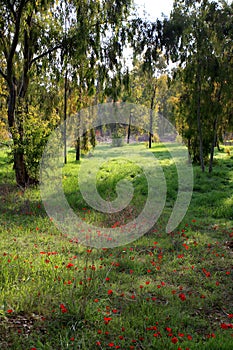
x,y
17,132
199,117
213,145
78,141
152,106
129,127
65,115
78,148
215,125
17,110
189,150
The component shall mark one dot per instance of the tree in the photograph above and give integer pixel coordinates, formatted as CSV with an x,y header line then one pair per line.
x,y
29,32
146,42
201,30
32,32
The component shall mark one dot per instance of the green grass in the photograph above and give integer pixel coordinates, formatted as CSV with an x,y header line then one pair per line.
x,y
162,291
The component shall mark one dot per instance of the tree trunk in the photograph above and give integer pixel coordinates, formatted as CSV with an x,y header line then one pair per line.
x,y
151,116
21,174
78,149
189,150
65,115
16,110
199,117
78,140
214,141
129,127
213,145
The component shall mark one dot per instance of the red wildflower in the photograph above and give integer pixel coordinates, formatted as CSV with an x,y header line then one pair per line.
x,y
174,340
182,296
107,320
63,308
212,335
207,273
69,265
226,325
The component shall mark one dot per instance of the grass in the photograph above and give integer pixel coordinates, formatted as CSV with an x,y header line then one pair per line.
x,y
162,291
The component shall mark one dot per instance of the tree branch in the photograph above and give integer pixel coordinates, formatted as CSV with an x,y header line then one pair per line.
x,y
45,53
3,74
15,38
11,7
5,51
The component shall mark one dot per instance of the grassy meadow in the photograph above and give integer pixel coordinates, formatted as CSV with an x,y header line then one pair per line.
x,y
162,291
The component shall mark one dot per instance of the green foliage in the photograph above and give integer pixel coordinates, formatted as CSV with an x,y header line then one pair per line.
x,y
204,78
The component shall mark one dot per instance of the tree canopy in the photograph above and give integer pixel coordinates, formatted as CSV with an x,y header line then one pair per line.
x,y
57,57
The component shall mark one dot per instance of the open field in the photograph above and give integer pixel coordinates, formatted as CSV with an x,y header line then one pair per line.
x,y
162,291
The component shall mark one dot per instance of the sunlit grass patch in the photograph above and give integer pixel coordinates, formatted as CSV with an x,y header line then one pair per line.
x,y
162,291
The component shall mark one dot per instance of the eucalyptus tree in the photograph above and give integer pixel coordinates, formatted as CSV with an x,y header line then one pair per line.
x,y
146,41
95,42
32,33
29,33
201,32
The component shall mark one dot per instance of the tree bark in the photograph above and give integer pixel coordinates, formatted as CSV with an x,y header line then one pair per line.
x,y
21,174
213,145
78,141
151,116
78,148
129,127
65,116
215,125
199,117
